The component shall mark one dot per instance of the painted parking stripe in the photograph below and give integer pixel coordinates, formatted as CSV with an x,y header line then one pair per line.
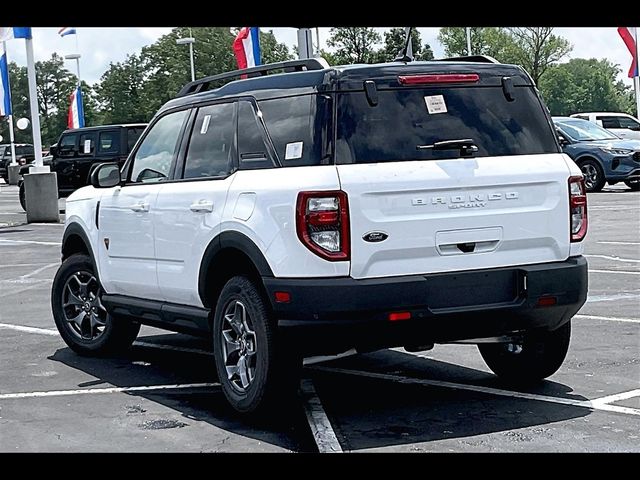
x,y
608,319
617,397
480,389
620,243
4,241
321,428
626,272
97,391
614,258
22,328
609,298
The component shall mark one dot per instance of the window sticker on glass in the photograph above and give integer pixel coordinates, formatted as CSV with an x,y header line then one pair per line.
x,y
435,104
293,151
87,146
205,124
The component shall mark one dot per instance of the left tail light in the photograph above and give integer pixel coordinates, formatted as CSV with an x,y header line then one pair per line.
x,y
578,219
322,223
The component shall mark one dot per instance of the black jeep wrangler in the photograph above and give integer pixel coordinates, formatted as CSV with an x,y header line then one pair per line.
x,y
79,150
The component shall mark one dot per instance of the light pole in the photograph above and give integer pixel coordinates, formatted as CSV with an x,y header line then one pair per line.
x,y
189,41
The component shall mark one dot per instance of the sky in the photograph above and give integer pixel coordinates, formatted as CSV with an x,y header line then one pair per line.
x,y
100,46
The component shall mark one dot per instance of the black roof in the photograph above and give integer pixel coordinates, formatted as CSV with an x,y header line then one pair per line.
x,y
350,77
103,127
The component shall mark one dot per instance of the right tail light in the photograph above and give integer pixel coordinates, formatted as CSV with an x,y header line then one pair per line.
x,y
578,220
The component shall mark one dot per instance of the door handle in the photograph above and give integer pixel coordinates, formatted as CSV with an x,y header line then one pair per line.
x,y
202,206
140,207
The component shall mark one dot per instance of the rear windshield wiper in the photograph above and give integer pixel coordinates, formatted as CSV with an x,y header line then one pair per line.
x,y
467,146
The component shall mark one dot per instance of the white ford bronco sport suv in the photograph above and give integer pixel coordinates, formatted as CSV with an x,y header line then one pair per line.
x,y
295,208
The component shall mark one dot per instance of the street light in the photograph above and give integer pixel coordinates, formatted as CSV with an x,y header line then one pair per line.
x,y
189,41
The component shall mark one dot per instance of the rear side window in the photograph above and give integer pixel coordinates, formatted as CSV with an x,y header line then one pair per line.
x,y
211,146
609,122
133,134
297,127
407,118
109,142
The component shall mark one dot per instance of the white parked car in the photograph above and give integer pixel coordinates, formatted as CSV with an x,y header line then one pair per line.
x,y
321,209
622,124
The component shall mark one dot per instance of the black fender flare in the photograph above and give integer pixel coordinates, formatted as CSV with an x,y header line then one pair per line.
x,y
231,239
74,229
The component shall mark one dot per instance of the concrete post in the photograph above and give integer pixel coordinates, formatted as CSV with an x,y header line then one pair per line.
x,y
39,187
14,173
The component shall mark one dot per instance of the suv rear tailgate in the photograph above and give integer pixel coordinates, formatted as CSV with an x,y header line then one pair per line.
x,y
456,214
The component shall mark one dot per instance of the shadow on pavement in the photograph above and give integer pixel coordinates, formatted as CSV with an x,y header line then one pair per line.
x,y
150,366
373,413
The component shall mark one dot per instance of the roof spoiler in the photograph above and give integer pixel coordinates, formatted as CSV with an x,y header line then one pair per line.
x,y
202,84
471,58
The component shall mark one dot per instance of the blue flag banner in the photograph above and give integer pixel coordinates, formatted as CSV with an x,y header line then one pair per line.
x,y
5,94
8,33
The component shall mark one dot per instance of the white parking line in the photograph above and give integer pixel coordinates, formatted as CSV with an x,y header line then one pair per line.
x,y
321,428
609,319
609,298
4,241
615,259
488,390
627,272
620,243
95,391
21,328
617,397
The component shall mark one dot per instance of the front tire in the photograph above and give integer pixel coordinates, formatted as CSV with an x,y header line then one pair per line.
x,y
538,356
257,370
593,175
83,322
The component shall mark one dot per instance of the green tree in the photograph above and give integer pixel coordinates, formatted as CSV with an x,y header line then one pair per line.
x,y
354,44
119,92
538,48
535,48
272,50
394,43
583,85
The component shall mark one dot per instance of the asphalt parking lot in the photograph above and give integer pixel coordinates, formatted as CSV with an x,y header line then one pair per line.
x,y
163,396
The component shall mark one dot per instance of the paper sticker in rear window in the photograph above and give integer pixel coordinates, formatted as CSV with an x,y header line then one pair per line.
x,y
435,104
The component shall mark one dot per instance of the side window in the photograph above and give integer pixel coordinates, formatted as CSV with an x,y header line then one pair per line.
x,y
626,122
210,150
109,142
252,151
68,145
583,117
296,129
609,122
133,134
87,145
152,161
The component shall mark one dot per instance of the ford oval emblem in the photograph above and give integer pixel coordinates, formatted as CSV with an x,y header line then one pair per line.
x,y
374,237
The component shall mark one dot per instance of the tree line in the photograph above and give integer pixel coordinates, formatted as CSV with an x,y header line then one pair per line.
x,y
134,89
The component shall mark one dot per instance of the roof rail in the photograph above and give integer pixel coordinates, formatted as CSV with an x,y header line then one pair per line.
x,y
202,84
470,58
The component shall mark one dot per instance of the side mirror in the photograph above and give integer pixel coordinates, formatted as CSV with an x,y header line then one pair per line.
x,y
106,175
53,150
562,139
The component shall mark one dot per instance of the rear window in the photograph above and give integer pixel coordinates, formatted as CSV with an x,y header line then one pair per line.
x,y
407,118
24,150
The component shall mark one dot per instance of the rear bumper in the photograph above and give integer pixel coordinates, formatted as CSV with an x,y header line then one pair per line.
x,y
444,307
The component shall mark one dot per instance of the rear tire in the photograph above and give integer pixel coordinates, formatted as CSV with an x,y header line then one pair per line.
x,y
633,184
258,371
539,355
80,317
593,175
